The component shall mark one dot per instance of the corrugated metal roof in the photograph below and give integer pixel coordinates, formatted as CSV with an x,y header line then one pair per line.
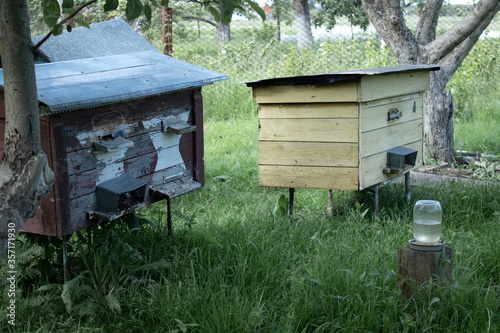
x,y
85,83
337,76
100,40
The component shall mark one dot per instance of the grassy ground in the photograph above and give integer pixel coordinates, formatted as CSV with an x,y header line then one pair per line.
x,y
237,267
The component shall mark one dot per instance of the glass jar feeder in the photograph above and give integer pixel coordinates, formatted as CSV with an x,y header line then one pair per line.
x,y
427,229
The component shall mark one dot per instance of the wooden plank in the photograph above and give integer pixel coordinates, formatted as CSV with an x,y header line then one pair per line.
x,y
392,99
2,104
197,115
80,206
175,188
370,168
311,130
86,159
308,153
385,138
85,182
51,216
382,86
344,91
373,117
308,177
146,112
310,110
2,133
52,210
61,188
34,225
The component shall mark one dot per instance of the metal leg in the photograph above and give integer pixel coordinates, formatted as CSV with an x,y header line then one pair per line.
x,y
291,192
407,187
169,217
329,208
65,258
375,201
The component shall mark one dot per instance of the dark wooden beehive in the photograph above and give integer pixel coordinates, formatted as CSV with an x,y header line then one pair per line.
x,y
138,115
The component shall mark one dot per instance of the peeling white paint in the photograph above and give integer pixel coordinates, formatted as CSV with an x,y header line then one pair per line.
x,y
153,122
112,168
94,135
166,144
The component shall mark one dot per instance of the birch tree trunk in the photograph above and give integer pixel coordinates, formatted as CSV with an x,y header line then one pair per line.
x,y
303,24
447,50
222,33
25,176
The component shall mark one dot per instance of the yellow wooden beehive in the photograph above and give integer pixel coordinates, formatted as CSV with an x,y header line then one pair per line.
x,y
334,131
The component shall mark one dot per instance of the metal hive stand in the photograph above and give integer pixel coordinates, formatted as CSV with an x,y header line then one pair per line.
x,y
374,189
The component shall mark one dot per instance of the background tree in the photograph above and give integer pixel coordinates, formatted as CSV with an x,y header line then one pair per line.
x,y
329,10
303,24
424,47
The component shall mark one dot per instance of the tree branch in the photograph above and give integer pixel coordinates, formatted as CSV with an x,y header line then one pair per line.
x,y
445,44
450,63
387,17
196,18
78,9
426,28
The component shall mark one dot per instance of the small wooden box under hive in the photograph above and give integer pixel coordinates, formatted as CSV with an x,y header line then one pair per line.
x,y
126,130
335,131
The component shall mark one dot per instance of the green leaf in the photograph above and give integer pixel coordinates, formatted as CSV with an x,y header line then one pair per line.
x,y
164,2
222,178
69,28
68,4
255,6
51,12
215,13
283,202
110,5
227,19
160,264
73,289
58,29
133,9
147,12
434,300
113,303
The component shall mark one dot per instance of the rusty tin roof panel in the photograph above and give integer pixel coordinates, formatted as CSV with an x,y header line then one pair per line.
x,y
86,83
326,78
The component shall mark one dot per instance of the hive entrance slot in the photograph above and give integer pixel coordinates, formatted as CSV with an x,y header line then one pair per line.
x,y
399,158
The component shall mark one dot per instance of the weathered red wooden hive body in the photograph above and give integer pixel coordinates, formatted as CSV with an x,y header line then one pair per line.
x,y
129,126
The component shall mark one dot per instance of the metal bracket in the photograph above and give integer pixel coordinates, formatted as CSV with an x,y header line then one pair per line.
x,y
113,144
393,114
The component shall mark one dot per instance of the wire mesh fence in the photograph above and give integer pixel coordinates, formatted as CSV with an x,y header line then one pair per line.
x,y
286,34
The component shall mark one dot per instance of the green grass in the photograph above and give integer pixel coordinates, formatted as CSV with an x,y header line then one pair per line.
x,y
236,267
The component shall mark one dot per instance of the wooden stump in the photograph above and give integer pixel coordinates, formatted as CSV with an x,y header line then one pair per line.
x,y
417,268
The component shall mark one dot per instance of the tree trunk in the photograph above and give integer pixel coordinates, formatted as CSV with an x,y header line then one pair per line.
x,y
25,176
222,33
278,25
166,31
439,120
303,24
